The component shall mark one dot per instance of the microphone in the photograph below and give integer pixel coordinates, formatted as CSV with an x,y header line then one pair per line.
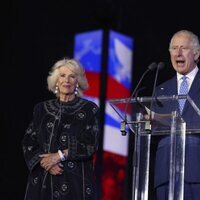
x,y
160,66
151,67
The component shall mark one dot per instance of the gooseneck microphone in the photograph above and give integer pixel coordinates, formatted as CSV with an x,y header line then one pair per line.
x,y
151,67
160,66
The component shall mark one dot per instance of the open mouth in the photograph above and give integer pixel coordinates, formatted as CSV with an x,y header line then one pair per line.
x,y
180,63
66,86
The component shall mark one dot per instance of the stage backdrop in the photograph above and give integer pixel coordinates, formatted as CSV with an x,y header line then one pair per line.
x,y
90,49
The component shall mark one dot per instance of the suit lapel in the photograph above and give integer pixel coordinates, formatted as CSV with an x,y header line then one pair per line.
x,y
195,85
171,89
174,91
195,88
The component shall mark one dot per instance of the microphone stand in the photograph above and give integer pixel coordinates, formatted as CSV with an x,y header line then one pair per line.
x,y
160,66
136,154
151,67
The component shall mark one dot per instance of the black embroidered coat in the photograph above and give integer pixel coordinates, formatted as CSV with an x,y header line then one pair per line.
x,y
62,125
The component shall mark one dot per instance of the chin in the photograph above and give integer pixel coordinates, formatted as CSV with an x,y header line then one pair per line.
x,y
181,70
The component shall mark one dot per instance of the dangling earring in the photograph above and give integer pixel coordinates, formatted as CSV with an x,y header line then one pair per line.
x,y
56,89
76,89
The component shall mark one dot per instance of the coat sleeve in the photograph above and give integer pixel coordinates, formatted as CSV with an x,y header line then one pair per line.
x,y
30,145
84,143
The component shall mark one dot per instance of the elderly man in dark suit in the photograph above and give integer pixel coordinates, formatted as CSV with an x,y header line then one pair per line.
x,y
184,50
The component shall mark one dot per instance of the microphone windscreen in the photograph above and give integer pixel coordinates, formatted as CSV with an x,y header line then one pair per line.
x,y
152,66
161,65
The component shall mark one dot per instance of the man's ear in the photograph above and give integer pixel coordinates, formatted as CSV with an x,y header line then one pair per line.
x,y
196,55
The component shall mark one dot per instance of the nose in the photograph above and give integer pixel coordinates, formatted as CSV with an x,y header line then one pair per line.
x,y
179,51
67,79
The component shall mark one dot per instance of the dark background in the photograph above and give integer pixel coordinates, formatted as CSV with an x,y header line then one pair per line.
x,y
35,34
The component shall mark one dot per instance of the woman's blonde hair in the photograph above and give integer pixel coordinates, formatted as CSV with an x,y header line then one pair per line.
x,y
73,65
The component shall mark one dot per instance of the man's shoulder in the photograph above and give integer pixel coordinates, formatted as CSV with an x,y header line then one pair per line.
x,y
168,82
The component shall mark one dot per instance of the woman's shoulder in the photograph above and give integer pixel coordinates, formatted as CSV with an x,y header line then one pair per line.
x,y
90,103
45,103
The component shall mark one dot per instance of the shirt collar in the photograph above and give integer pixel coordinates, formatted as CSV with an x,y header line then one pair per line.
x,y
190,75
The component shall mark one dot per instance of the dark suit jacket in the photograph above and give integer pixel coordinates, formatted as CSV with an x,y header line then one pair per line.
x,y
192,119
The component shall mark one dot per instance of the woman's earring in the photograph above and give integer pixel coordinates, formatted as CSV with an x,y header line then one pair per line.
x,y
56,89
76,89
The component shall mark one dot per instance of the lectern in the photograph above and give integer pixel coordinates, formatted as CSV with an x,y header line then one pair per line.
x,y
144,117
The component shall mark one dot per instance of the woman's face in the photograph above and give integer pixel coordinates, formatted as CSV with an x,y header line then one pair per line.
x,y
67,81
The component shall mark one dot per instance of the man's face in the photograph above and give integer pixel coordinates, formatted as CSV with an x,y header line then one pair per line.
x,y
182,54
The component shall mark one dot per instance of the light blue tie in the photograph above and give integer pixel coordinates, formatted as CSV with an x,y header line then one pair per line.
x,y
183,91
